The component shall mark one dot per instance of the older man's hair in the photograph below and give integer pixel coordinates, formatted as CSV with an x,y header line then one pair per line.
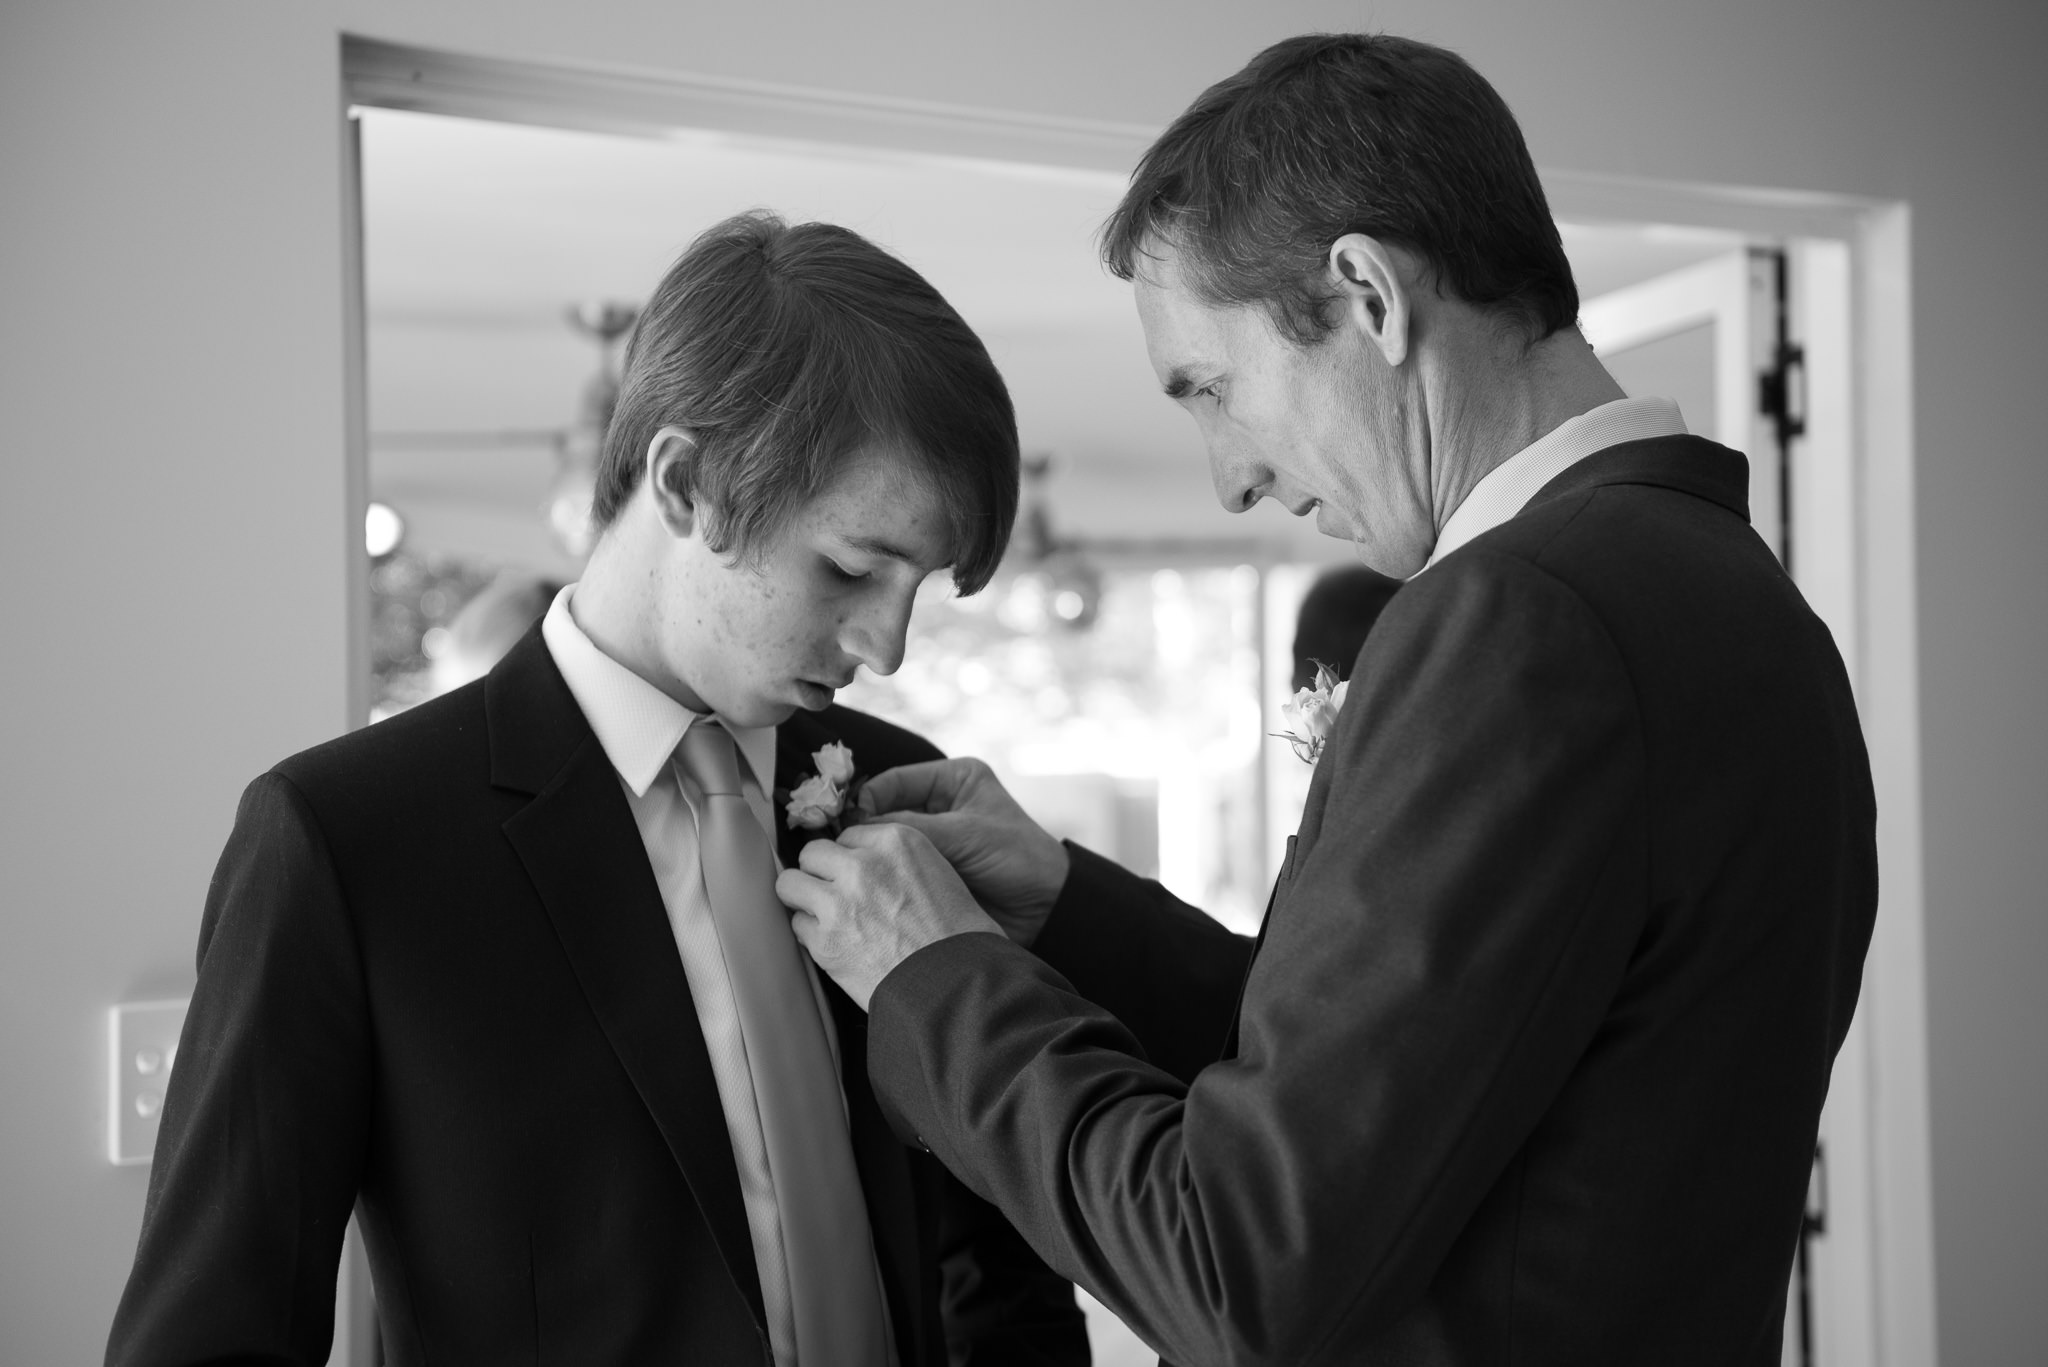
x,y
1329,134
787,349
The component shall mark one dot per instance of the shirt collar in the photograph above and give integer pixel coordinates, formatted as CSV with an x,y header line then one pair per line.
x,y
1508,487
638,725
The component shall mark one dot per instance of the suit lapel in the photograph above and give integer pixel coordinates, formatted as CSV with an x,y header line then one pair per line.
x,y
884,1166
582,851
796,741
883,1162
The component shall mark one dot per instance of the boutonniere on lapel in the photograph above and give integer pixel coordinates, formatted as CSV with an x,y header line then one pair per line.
x,y
825,800
1314,713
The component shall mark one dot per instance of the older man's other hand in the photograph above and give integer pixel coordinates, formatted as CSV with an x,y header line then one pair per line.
x,y
864,903
1012,866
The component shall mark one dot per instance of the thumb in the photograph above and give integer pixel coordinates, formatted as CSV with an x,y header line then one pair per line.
x,y
958,838
930,786
931,825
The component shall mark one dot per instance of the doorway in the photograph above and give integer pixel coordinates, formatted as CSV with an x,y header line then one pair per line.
x,y
1842,500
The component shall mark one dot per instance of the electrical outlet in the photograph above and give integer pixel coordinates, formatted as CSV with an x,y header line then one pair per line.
x,y
142,1048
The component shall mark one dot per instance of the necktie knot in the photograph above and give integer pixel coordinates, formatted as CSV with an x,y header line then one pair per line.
x,y
711,759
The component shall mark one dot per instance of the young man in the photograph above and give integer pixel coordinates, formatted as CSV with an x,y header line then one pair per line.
x,y
506,973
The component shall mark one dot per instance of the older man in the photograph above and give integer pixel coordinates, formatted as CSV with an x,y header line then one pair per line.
x,y
1531,1054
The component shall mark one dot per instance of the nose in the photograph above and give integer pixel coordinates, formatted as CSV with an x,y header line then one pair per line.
x,y
1240,481
874,631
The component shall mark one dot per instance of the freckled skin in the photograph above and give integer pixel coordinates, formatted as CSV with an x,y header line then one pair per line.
x,y
742,635
755,638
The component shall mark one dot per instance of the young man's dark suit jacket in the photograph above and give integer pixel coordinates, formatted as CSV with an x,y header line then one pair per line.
x,y
437,984
1529,1063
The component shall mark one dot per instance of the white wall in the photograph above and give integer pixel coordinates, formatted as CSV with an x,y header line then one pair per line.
x,y
173,535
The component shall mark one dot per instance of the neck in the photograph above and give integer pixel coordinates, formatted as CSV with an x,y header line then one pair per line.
x,y
618,604
1519,398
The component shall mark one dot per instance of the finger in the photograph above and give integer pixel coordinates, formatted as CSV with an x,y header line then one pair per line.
x,y
822,859
799,891
807,930
931,825
931,786
959,837
891,839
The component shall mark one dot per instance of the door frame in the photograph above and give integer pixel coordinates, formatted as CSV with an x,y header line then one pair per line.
x,y
1860,249
1719,292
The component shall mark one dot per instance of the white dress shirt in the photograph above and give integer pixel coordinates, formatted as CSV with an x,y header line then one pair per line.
x,y
640,727
1508,487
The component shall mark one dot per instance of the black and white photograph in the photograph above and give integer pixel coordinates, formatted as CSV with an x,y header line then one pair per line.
x,y
903,683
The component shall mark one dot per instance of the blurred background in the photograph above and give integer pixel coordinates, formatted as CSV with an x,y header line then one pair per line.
x,y
1127,668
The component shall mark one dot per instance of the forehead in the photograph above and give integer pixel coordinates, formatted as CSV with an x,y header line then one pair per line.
x,y
884,499
1183,331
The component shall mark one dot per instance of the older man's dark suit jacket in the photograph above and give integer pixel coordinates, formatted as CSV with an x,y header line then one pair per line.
x,y
437,984
1528,1067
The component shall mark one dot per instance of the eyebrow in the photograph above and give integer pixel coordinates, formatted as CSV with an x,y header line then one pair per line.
x,y
875,545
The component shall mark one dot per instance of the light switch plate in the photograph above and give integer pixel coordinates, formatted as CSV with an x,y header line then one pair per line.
x,y
142,1048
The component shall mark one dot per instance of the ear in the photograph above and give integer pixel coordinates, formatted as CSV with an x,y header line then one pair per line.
x,y
669,458
1369,279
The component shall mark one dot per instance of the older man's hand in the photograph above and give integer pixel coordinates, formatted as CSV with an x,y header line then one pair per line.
x,y
864,903
1011,865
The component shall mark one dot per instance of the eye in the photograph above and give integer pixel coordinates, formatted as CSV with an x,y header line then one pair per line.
x,y
841,573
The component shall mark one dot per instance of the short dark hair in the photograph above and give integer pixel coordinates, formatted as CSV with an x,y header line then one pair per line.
x,y
1329,134
785,349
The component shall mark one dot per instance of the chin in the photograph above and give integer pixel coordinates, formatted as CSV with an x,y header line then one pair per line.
x,y
775,714
757,712
1394,561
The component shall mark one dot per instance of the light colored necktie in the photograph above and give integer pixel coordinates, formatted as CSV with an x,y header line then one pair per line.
x,y
834,1285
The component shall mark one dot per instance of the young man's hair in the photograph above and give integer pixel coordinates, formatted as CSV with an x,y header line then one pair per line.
x,y
1329,134
785,349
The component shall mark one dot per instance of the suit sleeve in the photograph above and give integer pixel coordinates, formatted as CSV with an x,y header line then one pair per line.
x,y
999,1304
264,1126
1107,920
1465,896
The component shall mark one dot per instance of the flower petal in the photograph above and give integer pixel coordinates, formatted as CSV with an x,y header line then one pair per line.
x,y
835,763
815,802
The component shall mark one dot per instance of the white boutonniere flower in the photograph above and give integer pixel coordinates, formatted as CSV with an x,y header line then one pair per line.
x,y
1314,714
823,801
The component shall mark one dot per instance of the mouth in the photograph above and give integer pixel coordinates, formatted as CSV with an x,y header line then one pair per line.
x,y
814,696
1305,508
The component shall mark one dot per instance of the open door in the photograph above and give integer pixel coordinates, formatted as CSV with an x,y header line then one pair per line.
x,y
1703,336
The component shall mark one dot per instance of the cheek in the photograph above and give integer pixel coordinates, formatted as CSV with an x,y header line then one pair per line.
x,y
790,631
744,628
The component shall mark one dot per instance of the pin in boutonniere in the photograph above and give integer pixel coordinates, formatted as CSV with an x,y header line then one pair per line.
x,y
824,801
1314,713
